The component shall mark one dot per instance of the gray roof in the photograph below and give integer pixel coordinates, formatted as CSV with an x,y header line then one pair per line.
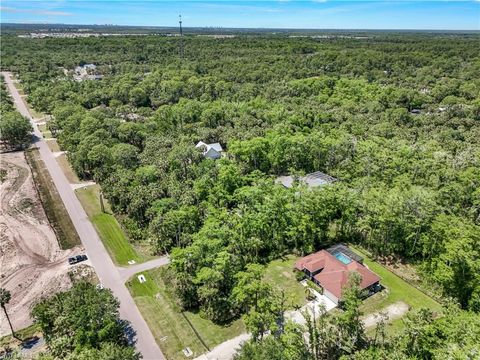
x,y
216,147
314,179
212,151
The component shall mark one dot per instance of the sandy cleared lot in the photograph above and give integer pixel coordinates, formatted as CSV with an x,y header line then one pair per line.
x,y
32,265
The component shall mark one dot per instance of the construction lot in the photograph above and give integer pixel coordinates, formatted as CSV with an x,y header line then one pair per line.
x,y
32,263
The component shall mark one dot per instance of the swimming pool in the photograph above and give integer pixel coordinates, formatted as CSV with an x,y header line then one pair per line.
x,y
343,258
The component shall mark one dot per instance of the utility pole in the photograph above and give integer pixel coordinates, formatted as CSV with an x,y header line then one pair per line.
x,y
181,36
102,205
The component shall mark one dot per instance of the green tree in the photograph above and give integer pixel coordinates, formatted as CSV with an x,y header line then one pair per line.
x,y
5,297
83,317
15,130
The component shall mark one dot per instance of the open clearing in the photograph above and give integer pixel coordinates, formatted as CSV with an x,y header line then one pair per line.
x,y
31,261
107,226
279,273
396,291
173,330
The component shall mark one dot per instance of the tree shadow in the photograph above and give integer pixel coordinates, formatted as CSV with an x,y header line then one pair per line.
x,y
130,333
30,342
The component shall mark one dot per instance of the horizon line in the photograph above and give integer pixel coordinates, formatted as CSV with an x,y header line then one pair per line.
x,y
238,28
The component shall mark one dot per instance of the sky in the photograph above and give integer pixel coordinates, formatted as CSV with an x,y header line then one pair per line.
x,y
311,14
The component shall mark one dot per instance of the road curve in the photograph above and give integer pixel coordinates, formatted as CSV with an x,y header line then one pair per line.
x,y
104,267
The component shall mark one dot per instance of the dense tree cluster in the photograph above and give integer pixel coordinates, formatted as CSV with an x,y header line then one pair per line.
x,y
394,117
454,336
15,130
83,323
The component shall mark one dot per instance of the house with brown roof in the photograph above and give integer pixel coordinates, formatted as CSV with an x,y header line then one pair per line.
x,y
331,268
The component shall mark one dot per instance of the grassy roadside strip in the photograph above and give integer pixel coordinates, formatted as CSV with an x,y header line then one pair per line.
x,y
52,203
172,329
107,226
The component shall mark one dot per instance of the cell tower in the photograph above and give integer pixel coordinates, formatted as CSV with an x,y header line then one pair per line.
x,y
181,36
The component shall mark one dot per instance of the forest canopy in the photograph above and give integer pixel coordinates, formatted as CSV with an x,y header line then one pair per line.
x,y
394,117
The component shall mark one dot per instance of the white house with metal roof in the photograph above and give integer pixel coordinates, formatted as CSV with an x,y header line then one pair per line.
x,y
210,151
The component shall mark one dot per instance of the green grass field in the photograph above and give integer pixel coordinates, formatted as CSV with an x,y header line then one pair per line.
x,y
396,290
280,274
169,326
107,226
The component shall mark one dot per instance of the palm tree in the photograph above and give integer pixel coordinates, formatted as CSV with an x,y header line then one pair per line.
x,y
5,297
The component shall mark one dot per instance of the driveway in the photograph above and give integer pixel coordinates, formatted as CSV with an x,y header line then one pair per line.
x,y
128,272
104,267
313,308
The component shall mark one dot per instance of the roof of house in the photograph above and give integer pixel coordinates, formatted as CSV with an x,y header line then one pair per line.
x,y
333,275
314,179
215,146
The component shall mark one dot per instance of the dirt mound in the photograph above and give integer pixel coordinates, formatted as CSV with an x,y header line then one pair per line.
x,y
32,265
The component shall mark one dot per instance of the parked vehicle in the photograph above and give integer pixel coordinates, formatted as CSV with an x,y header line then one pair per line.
x,y
76,259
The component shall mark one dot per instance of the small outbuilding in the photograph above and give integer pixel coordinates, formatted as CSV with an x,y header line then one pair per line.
x,y
210,151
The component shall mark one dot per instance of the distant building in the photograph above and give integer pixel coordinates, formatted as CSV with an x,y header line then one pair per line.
x,y
314,179
210,151
86,72
330,270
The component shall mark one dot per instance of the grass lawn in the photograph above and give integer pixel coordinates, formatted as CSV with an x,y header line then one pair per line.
x,y
18,86
107,226
42,128
171,329
52,203
53,145
396,290
45,132
67,169
280,273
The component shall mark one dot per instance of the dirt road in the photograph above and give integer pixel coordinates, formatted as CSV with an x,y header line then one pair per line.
x,y
104,267
393,311
32,265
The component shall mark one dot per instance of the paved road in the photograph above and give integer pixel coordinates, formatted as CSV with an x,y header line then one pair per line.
x,y
127,273
104,267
